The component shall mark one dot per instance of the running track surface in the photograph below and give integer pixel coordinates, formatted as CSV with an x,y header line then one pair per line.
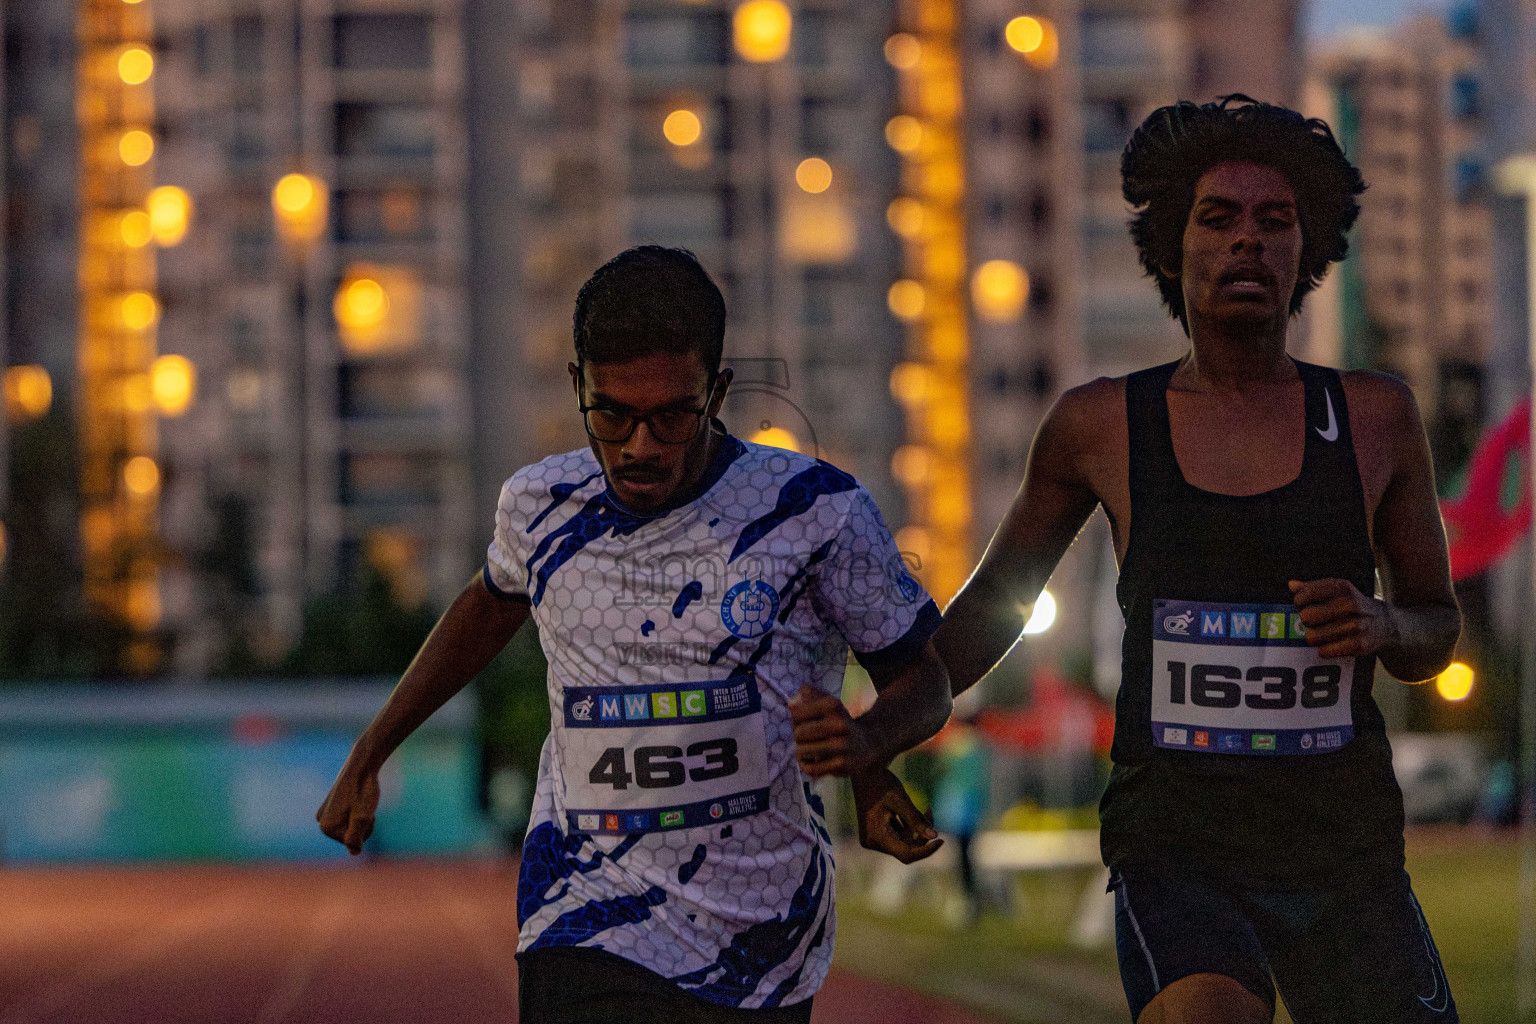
x,y
382,943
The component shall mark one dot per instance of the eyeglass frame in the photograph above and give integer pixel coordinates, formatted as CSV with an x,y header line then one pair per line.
x,y
635,421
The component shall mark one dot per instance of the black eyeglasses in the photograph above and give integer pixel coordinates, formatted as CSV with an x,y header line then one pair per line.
x,y
669,426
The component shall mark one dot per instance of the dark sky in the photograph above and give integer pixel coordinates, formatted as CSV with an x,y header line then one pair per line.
x,y
1327,17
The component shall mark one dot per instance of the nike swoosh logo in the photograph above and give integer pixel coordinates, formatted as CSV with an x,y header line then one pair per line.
x,y
1332,433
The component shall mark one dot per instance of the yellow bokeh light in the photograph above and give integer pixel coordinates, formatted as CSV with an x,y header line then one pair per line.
x,y
906,299
361,303
904,132
999,289
682,128
139,310
135,229
143,611
905,216
776,437
1455,683
293,193
1043,41
140,475
170,210
300,203
174,383
911,383
28,392
951,509
135,65
948,424
1024,34
136,147
761,29
814,175
903,51
912,465
138,393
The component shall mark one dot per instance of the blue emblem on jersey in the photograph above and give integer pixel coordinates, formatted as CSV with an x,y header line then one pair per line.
x,y
903,587
749,608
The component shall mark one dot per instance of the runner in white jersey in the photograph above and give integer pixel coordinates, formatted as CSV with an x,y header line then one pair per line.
x,y
696,598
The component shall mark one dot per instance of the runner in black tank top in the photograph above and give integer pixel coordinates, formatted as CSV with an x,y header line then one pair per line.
x,y
1328,802
1252,823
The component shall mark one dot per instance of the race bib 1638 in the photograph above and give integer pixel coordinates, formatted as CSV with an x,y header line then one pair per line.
x,y
1241,679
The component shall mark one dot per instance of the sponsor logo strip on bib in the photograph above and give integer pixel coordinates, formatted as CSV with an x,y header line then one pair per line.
x,y
652,758
1242,679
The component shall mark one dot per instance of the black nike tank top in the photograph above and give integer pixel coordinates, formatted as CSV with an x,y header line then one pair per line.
x,y
1238,751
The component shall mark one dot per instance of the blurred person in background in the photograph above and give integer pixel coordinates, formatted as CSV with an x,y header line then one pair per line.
x,y
1252,823
677,866
960,803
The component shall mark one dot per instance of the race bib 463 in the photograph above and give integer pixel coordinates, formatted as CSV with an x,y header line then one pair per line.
x,y
1241,679
650,758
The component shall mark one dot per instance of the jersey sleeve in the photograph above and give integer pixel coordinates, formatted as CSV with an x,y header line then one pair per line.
x,y
505,573
864,590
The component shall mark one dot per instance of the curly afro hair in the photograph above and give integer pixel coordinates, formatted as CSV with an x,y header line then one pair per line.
x,y
1176,144
649,299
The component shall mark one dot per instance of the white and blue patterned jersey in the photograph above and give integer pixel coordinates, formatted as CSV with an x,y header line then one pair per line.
x,y
671,823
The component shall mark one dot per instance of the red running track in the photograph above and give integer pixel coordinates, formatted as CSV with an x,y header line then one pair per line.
x,y
384,943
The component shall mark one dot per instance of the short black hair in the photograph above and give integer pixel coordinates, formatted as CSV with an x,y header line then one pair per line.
x,y
650,299
1178,143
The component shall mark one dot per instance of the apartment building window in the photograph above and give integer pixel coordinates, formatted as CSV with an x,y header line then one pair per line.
x,y
247,134
396,213
246,43
1106,125
663,39
1466,96
810,39
819,296
386,478
678,218
202,51
386,389
1042,293
1040,212
816,125
1115,40
384,130
368,42
1037,126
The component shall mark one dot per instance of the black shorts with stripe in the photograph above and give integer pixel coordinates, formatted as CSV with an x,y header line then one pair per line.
x,y
1358,951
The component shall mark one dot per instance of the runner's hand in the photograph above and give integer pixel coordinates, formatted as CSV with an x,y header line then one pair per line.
x,y
827,739
347,813
1342,622
888,820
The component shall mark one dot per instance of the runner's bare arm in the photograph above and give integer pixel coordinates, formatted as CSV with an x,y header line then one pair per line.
x,y
1415,628
913,703
1057,496
471,632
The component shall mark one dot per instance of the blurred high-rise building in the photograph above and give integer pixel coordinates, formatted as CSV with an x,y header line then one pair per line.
x,y
599,124
1415,294
322,295
1504,32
